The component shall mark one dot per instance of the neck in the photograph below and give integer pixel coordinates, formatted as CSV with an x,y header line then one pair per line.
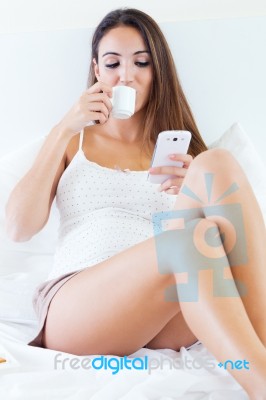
x,y
125,130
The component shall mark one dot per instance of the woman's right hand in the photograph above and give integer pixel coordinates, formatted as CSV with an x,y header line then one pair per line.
x,y
93,105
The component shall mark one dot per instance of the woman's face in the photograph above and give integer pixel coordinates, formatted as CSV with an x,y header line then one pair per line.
x,y
124,59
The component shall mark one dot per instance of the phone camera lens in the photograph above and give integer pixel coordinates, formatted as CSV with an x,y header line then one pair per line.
x,y
175,139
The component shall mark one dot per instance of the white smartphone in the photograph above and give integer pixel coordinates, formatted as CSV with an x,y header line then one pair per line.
x,y
168,142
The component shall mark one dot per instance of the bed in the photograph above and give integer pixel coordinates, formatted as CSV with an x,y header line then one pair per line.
x,y
29,373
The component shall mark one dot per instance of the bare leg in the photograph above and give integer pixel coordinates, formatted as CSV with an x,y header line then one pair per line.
x,y
114,307
117,306
236,326
174,334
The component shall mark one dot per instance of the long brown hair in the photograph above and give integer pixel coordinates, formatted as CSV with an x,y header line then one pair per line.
x,y
167,107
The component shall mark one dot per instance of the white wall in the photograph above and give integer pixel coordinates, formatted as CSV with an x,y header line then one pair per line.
x,y
43,15
222,66
221,63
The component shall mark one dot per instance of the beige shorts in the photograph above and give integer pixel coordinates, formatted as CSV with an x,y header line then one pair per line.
x,y
41,301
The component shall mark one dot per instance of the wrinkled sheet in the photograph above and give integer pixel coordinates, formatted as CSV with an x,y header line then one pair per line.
x,y
30,373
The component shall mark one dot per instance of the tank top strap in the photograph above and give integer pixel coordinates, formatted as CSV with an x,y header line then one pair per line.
x,y
81,139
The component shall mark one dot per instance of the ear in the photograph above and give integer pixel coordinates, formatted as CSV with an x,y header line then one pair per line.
x,y
96,69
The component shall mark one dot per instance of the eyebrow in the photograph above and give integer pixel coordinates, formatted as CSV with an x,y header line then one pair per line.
x,y
117,54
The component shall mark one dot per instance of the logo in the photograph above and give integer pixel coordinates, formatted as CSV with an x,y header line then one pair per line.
x,y
118,364
238,364
197,246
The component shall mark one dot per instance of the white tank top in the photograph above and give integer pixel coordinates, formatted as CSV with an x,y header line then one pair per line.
x,y
102,212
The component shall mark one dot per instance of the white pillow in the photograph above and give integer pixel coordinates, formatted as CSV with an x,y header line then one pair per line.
x,y
24,265
240,145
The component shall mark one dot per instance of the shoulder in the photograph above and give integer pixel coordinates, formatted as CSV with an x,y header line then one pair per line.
x,y
73,145
72,148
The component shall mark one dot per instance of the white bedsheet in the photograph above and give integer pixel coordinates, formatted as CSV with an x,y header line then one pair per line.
x,y
30,374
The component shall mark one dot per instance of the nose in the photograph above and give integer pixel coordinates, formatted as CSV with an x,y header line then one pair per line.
x,y
126,74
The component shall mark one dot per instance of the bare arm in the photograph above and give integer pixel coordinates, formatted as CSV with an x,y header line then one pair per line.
x,y
29,204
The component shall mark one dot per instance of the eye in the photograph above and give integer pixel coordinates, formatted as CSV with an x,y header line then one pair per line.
x,y
142,64
113,65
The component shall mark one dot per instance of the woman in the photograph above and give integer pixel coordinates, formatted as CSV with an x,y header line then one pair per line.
x,y
105,294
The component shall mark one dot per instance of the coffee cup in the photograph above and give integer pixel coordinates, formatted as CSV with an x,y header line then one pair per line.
x,y
123,101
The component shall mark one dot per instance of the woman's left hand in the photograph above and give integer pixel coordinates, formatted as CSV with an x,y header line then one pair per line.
x,y
173,185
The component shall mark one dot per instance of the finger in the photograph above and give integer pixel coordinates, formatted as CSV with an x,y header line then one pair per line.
x,y
170,183
173,190
102,118
94,102
185,158
100,87
169,170
98,116
88,112
97,97
100,107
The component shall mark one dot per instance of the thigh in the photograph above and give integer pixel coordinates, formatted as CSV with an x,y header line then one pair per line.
x,y
174,335
115,307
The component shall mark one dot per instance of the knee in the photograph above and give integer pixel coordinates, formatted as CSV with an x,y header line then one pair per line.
x,y
184,250
195,248
208,243
217,160
206,231
214,155
204,237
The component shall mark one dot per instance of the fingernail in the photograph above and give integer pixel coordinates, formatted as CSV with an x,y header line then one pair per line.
x,y
172,156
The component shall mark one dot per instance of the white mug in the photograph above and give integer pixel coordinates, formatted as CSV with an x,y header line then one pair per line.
x,y
123,102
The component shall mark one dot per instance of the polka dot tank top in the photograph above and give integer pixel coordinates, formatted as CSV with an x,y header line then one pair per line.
x,y
102,212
